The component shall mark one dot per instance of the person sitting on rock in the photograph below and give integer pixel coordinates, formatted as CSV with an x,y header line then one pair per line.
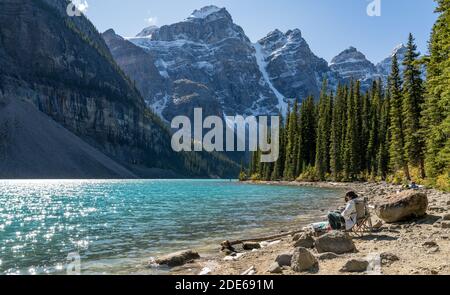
x,y
348,217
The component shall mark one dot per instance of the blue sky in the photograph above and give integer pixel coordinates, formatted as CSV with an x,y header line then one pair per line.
x,y
329,26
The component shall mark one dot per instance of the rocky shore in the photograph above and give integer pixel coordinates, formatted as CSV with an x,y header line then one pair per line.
x,y
418,245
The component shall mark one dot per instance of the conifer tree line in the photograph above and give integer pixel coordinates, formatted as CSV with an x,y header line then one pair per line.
x,y
399,130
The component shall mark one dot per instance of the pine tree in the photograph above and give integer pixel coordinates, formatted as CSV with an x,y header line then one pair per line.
x,y
366,114
384,136
397,144
307,133
436,114
412,107
323,133
374,128
292,144
277,173
350,137
357,151
336,133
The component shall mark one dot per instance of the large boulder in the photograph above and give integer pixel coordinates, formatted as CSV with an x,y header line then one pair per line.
x,y
403,206
335,242
303,260
178,258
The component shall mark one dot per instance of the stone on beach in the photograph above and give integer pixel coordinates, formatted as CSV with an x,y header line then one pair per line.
x,y
284,259
305,241
403,206
445,224
327,256
388,258
446,217
336,242
178,258
355,265
275,268
303,260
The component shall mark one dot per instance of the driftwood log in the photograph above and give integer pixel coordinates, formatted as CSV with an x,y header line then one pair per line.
x,y
230,244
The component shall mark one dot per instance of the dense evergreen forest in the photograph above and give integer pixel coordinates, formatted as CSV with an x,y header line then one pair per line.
x,y
398,131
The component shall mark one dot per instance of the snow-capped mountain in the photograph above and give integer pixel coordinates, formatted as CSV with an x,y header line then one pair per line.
x,y
292,67
352,64
208,61
147,32
384,67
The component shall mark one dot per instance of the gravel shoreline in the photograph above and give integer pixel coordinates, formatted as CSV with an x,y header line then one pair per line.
x,y
420,247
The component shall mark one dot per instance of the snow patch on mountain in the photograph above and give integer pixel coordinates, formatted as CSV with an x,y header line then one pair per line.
x,y
204,12
261,61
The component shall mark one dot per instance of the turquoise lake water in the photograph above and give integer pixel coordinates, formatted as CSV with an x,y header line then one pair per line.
x,y
116,226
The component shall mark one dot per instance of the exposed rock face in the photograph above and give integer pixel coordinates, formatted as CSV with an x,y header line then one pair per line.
x,y
353,65
178,258
303,260
32,145
336,242
403,206
71,76
293,68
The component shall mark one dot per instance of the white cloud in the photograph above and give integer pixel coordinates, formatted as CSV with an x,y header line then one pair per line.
x,y
152,20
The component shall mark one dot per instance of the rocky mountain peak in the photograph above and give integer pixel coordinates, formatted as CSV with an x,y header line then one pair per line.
x,y
352,64
148,31
209,12
350,55
384,67
207,25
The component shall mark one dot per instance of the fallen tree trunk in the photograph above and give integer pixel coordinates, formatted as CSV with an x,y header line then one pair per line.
x,y
228,244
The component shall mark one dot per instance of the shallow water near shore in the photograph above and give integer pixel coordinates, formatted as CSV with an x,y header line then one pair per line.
x,y
116,226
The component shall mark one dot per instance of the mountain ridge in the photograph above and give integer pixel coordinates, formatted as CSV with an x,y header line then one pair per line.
x,y
209,50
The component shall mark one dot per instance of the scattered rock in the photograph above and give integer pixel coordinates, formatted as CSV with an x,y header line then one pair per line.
x,y
403,206
434,272
445,224
178,258
355,265
275,268
284,259
433,250
303,260
388,258
327,256
305,241
430,244
250,246
446,217
335,242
